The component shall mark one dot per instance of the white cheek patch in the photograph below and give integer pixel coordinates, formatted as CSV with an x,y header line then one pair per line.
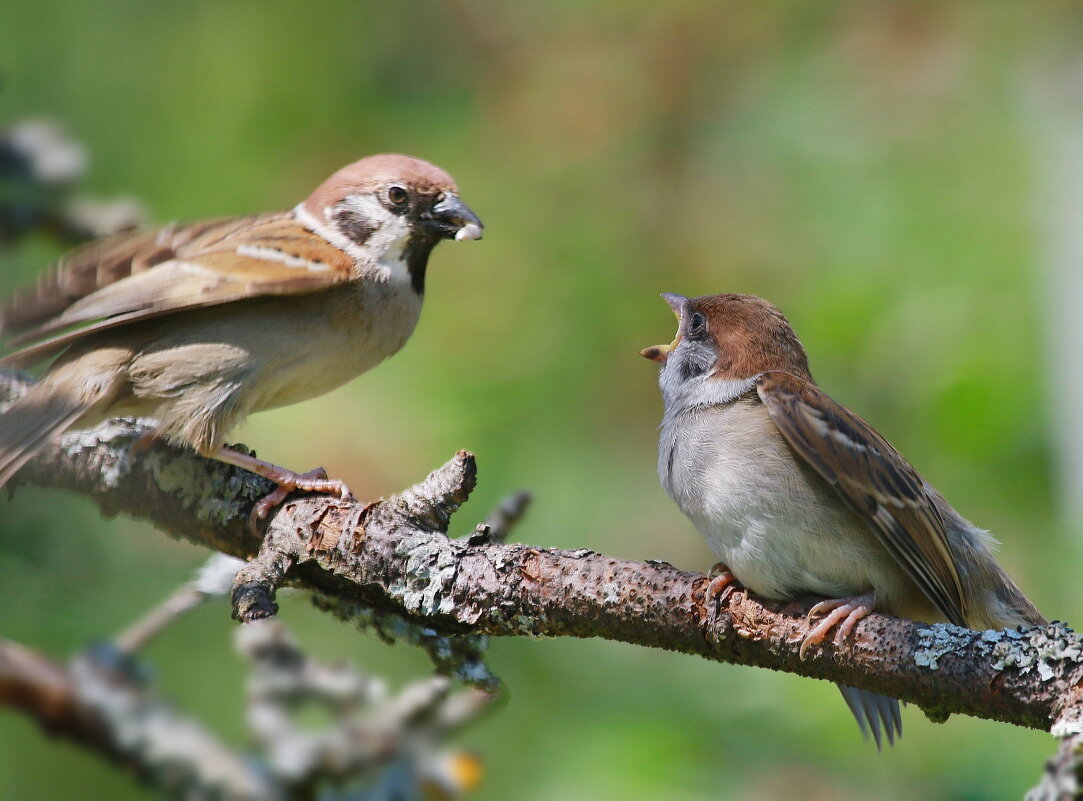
x,y
328,232
390,231
714,391
382,251
390,235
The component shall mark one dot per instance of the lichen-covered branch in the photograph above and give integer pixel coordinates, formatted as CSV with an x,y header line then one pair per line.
x,y
1062,779
386,745
394,557
45,691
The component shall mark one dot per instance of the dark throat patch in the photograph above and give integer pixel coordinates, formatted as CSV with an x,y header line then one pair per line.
x,y
417,259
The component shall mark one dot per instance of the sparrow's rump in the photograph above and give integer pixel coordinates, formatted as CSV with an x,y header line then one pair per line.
x,y
874,479
149,273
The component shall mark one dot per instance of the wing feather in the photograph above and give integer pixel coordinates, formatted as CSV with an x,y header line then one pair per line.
x,y
147,274
873,478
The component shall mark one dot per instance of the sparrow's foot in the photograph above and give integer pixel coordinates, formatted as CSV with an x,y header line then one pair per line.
x,y
287,480
721,586
841,612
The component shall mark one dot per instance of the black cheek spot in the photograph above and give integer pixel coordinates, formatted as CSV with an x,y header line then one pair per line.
x,y
690,368
357,228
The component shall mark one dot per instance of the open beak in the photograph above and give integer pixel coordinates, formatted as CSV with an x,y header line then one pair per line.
x,y
453,219
658,353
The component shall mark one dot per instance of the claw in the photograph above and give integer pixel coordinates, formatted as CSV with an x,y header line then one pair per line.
x,y
312,481
717,569
841,612
718,591
287,480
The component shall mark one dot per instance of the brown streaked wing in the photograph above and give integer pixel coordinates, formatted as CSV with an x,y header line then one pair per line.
x,y
873,478
172,269
89,267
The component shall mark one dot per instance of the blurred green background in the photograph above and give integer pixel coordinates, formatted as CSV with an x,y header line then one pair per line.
x,y
886,172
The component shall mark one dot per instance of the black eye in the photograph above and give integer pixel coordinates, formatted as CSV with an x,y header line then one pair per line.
x,y
696,325
397,195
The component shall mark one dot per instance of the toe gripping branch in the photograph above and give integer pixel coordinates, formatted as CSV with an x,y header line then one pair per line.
x,y
397,547
329,531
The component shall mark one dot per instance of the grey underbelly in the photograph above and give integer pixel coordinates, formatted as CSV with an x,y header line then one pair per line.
x,y
775,523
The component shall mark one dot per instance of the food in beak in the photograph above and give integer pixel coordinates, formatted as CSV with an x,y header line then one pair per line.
x,y
468,231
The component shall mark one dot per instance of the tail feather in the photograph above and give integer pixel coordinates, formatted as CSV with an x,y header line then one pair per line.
x,y
1010,607
874,713
31,422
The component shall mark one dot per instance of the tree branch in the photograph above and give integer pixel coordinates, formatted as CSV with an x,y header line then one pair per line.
x,y
387,744
394,557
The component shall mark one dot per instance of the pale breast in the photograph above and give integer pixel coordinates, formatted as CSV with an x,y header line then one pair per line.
x,y
776,524
277,351
360,325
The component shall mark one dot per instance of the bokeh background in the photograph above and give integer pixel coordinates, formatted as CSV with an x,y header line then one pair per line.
x,y
904,179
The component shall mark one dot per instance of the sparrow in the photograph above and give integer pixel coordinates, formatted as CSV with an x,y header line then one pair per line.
x,y
199,324
796,494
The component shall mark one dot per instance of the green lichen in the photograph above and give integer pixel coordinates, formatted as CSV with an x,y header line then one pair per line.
x,y
1045,649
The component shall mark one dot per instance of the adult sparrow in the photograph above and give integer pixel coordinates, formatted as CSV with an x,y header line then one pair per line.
x,y
199,324
797,494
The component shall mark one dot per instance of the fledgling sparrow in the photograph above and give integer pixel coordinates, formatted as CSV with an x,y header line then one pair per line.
x,y
199,324
796,494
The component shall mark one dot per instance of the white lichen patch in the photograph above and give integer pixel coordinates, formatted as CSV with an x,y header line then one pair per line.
x,y
936,642
1066,728
1041,649
219,494
1044,649
117,462
431,565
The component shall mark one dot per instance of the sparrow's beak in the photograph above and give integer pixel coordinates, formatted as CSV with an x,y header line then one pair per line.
x,y
453,219
658,353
